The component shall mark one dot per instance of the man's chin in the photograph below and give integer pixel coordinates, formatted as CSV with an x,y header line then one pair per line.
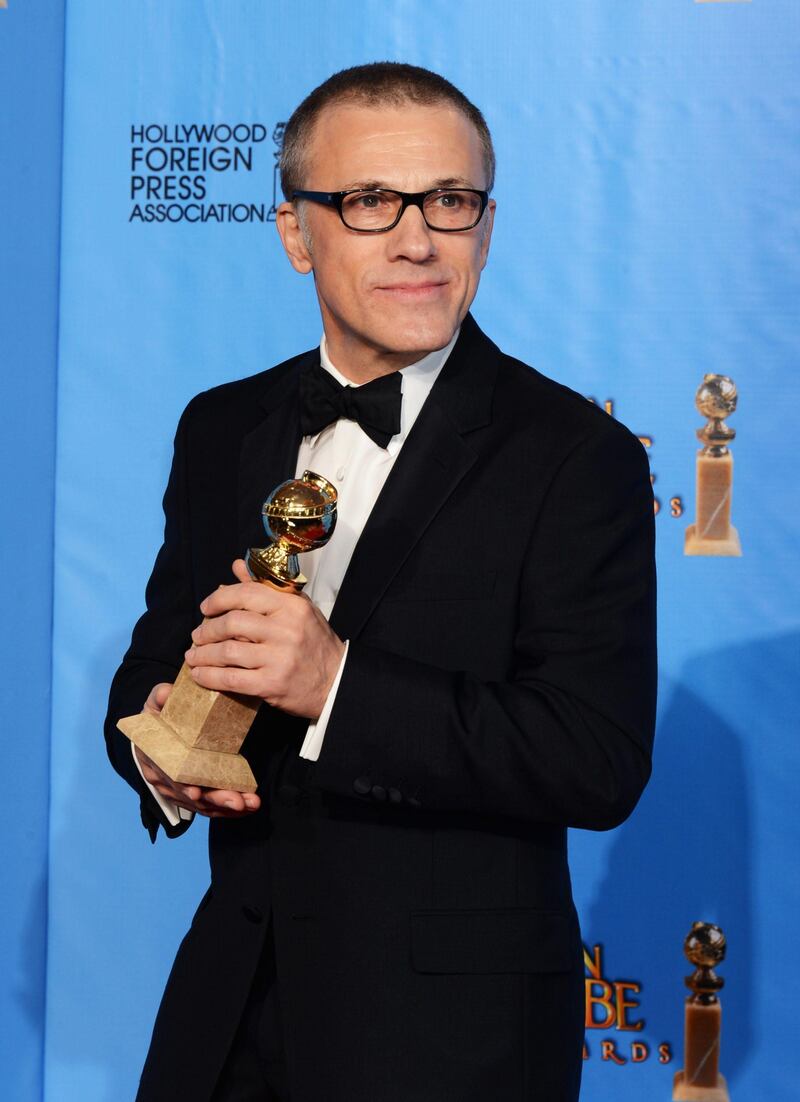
x,y
418,335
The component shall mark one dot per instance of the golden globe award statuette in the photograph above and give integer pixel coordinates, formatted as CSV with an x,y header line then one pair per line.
x,y
700,1080
198,734
713,533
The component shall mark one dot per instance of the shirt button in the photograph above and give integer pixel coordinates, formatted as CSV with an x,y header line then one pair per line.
x,y
340,474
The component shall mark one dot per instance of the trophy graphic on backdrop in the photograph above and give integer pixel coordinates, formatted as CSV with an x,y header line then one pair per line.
x,y
713,533
197,736
699,1080
277,137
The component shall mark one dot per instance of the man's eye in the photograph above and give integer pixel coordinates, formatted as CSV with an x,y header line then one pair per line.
x,y
368,200
449,200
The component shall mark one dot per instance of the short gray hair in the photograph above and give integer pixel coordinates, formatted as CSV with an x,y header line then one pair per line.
x,y
376,84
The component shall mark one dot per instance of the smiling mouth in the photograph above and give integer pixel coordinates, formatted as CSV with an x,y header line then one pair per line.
x,y
413,288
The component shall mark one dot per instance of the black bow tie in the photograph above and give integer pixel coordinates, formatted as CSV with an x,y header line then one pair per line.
x,y
375,405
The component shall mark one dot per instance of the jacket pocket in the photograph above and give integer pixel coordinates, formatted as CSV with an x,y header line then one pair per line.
x,y
508,940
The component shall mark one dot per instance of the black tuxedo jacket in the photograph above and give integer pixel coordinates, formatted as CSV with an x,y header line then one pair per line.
x,y
499,688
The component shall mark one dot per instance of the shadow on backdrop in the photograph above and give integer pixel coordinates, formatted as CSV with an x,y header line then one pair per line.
x,y
687,854
118,907
688,850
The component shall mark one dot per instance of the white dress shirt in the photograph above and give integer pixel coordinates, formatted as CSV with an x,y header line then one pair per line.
x,y
358,468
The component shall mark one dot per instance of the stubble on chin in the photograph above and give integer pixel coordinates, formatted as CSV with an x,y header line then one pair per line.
x,y
415,339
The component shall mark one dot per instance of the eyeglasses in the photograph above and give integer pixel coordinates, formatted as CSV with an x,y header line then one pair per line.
x,y
445,209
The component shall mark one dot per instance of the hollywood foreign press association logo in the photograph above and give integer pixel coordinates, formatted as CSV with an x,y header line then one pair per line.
x,y
204,172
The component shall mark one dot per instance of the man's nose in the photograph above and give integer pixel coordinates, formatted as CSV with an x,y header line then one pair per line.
x,y
412,237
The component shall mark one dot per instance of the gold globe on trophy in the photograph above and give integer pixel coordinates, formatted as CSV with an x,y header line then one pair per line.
x,y
299,515
198,734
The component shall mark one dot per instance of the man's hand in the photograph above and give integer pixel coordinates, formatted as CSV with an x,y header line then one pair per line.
x,y
263,642
212,802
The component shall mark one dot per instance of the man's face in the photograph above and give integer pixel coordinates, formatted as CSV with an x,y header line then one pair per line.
x,y
389,298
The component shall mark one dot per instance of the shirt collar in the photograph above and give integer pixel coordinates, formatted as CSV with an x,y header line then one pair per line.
x,y
429,366
417,381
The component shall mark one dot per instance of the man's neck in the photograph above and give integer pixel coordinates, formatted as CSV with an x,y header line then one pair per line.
x,y
365,365
422,363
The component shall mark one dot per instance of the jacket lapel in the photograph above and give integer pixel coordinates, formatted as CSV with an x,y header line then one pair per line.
x,y
268,457
269,452
433,461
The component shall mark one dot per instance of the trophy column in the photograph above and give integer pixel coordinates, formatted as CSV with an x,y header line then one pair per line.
x,y
700,1080
713,533
198,734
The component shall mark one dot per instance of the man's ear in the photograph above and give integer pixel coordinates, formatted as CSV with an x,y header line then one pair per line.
x,y
487,232
293,238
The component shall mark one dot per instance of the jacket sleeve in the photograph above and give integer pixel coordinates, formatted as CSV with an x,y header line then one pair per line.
x,y
566,739
159,638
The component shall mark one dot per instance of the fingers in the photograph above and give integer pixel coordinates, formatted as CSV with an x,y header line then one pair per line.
x,y
150,770
245,595
221,803
261,642
231,652
157,697
238,624
233,679
228,649
184,795
223,800
285,618
211,802
218,803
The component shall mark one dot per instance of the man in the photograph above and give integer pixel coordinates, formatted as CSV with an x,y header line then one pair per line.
x,y
390,918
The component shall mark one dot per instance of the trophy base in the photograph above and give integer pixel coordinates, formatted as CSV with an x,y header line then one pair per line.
x,y
685,1092
187,764
698,545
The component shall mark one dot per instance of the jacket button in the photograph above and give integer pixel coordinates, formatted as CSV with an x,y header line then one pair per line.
x,y
289,794
362,785
395,796
379,792
412,801
252,914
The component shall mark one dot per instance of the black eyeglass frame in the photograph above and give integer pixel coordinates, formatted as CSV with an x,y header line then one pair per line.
x,y
408,199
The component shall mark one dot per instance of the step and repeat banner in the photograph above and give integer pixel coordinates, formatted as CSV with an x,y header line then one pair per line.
x,y
646,236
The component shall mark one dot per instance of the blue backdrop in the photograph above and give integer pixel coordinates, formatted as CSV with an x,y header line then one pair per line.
x,y
646,233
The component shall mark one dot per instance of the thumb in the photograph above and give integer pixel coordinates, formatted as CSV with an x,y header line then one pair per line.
x,y
241,571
